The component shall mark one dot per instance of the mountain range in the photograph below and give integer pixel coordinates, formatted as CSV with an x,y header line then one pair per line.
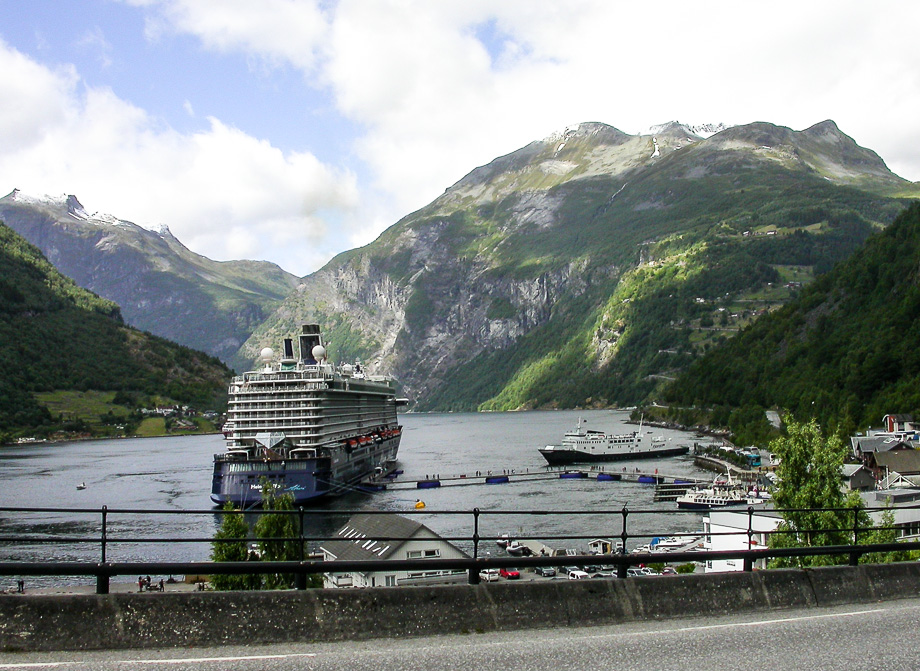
x,y
585,269
589,267
160,285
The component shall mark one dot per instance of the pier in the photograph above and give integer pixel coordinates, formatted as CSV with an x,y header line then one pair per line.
x,y
667,483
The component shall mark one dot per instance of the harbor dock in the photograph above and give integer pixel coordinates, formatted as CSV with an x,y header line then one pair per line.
x,y
672,483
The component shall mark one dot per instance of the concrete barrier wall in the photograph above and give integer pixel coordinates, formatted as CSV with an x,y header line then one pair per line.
x,y
115,621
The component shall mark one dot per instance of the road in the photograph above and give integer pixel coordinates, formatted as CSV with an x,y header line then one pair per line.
x,y
866,637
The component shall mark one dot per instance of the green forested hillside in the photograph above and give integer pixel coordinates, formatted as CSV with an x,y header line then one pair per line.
x,y
56,336
845,351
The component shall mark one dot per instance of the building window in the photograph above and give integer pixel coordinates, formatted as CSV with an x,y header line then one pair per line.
x,y
414,554
391,581
432,553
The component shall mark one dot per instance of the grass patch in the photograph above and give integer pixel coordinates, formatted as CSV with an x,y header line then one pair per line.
x,y
84,405
151,426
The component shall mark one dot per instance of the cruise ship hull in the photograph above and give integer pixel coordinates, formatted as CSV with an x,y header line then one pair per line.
x,y
565,457
240,481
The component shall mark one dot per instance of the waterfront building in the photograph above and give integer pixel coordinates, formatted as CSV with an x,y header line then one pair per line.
x,y
388,537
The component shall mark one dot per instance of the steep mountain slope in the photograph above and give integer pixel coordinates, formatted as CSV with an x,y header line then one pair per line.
x,y
844,351
161,286
585,268
55,335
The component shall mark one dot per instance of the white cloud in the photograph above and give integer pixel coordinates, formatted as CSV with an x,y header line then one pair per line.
x,y
275,30
436,101
436,89
94,41
223,193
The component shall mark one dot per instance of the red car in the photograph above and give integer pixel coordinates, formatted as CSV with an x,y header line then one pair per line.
x,y
509,573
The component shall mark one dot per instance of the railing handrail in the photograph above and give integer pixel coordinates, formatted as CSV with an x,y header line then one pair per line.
x,y
104,569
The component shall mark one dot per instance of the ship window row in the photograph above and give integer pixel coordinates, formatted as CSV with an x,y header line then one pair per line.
x,y
333,423
363,412
293,416
277,398
260,466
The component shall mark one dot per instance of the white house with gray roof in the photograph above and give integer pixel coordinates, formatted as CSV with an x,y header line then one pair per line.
x,y
388,537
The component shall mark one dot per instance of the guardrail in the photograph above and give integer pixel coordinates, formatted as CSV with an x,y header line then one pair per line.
x,y
103,569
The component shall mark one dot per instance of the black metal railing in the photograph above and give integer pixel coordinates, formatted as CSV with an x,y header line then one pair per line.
x,y
309,564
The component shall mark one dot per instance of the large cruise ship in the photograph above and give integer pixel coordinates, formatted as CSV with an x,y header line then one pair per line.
x,y
307,427
580,446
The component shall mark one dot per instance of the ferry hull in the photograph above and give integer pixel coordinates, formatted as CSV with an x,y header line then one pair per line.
x,y
563,457
694,505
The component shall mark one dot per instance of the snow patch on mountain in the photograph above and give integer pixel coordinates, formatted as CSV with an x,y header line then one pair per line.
x,y
45,200
704,130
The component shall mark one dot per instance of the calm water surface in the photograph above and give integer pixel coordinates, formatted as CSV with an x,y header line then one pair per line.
x,y
174,474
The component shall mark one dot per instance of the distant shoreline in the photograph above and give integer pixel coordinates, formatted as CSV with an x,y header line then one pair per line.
x,y
80,439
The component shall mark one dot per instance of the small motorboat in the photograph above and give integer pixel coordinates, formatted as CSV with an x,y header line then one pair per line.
x,y
516,549
82,485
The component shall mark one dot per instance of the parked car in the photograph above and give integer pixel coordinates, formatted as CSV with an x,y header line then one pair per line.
x,y
509,573
604,574
569,569
669,570
633,572
488,575
578,574
545,571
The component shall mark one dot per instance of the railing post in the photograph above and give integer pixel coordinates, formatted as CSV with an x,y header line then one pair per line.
x,y
102,579
474,571
748,562
622,565
300,578
854,556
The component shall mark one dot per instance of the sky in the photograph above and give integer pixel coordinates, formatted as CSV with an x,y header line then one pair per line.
x,y
292,130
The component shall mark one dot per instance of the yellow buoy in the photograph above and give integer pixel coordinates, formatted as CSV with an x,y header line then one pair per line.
x,y
419,503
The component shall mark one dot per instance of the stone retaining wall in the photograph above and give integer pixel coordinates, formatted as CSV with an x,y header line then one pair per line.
x,y
117,621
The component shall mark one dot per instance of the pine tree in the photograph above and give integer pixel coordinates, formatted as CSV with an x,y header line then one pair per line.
x,y
277,533
230,544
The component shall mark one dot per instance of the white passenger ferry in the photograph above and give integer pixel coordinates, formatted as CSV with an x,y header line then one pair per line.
x,y
582,445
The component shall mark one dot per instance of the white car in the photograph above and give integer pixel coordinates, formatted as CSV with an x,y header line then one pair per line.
x,y
489,575
578,575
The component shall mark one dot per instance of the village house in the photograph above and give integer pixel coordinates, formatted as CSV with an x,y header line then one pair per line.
x,y
903,504
899,424
728,530
898,468
867,448
857,477
388,537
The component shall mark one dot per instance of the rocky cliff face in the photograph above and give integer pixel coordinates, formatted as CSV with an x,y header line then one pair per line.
x,y
161,286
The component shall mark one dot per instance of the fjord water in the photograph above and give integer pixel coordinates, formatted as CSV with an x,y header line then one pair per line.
x,y
174,474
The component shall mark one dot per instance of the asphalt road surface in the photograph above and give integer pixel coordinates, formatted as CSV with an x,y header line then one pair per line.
x,y
876,636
